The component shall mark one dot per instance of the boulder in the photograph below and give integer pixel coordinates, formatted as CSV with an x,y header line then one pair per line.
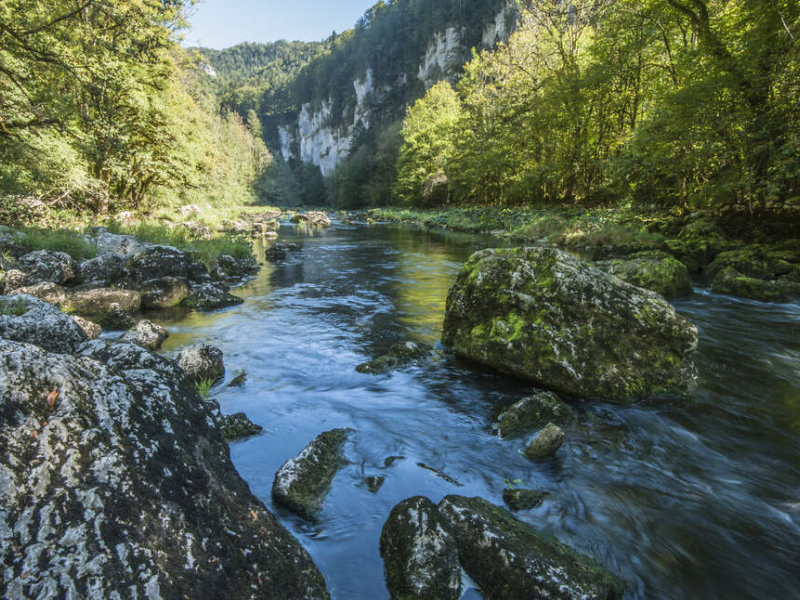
x,y
165,292
522,499
699,242
374,483
47,266
238,426
13,279
546,443
122,487
189,210
208,297
302,483
32,321
237,267
52,293
758,273
112,244
92,330
652,271
235,226
399,355
314,218
112,308
419,554
543,315
201,362
732,282
125,356
102,271
534,412
155,262
509,559
146,334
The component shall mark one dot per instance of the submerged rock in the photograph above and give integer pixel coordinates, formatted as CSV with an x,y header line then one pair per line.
x,y
521,499
239,380
302,483
207,297
238,426
52,293
30,320
510,560
534,412
165,292
546,443
652,271
399,355
374,483
121,486
541,314
201,362
419,554
276,252
147,335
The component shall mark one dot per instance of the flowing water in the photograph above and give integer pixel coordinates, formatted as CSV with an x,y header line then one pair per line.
x,y
692,500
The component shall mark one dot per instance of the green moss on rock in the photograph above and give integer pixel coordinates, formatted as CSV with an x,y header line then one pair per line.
x,y
533,412
543,315
661,274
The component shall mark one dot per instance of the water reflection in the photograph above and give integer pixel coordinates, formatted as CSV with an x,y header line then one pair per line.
x,y
693,500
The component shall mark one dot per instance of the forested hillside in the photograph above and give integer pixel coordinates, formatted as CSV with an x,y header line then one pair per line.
x,y
100,110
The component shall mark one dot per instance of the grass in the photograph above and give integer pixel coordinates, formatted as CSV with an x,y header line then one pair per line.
x,y
13,308
203,388
59,240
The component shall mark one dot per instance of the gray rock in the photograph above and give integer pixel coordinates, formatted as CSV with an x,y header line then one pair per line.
x,y
510,560
541,314
52,293
47,266
238,426
654,271
237,267
14,279
126,357
29,320
197,229
101,271
92,330
207,297
109,244
534,412
125,488
155,262
374,483
314,218
521,499
399,355
146,334
112,308
302,483
202,362
165,292
546,443
419,554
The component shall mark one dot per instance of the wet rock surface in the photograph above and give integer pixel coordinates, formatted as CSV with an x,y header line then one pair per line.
x,y
543,315
419,554
239,426
208,296
521,499
302,483
533,412
399,355
117,483
546,443
509,559
314,218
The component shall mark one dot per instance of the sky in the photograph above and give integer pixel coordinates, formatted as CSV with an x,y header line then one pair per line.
x,y
223,23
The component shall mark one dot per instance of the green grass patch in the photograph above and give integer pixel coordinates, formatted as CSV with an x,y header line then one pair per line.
x,y
59,240
13,308
203,388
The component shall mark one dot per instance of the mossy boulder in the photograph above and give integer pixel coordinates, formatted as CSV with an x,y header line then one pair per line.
x,y
302,483
208,296
419,554
510,560
732,282
533,412
652,271
164,292
239,426
33,321
543,315
522,499
699,242
201,362
769,274
52,293
399,355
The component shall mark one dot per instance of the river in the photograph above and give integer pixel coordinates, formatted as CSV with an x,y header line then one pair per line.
x,y
692,500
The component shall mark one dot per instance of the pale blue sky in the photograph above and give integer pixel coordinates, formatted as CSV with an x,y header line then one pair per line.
x,y
224,23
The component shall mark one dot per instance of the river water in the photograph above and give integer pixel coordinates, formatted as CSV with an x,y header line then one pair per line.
x,y
692,500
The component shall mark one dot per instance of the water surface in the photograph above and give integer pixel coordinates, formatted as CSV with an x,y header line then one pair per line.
x,y
692,500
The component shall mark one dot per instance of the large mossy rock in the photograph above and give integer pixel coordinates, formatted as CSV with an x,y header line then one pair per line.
x,y
419,554
511,560
399,355
48,266
121,486
302,482
541,314
769,274
652,271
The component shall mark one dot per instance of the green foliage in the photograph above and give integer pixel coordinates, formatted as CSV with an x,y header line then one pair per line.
x,y
203,387
13,308
61,240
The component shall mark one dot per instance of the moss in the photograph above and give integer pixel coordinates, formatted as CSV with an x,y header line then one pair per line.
x,y
13,308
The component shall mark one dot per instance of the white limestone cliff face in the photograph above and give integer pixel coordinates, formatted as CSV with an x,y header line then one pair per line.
x,y
444,56
497,30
